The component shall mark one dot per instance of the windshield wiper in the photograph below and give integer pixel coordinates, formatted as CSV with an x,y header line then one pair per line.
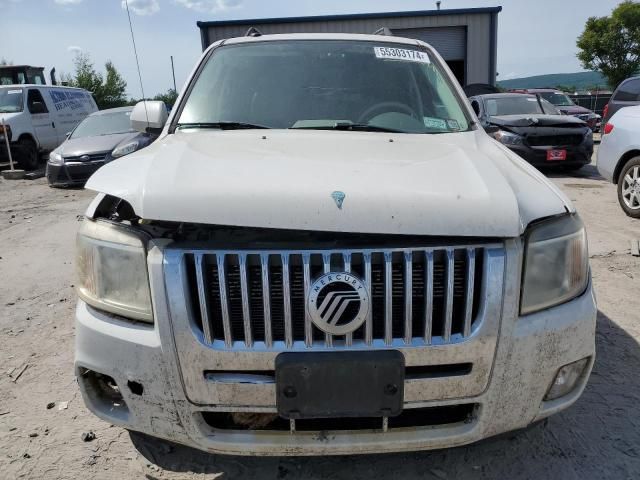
x,y
355,127
222,125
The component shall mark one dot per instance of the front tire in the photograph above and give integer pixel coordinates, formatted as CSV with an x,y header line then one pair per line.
x,y
28,157
629,188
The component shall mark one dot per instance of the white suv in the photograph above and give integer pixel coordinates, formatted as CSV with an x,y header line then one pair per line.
x,y
324,254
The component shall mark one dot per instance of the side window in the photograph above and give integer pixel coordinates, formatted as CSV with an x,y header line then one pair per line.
x,y
35,102
629,91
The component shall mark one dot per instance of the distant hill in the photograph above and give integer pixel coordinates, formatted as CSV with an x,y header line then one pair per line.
x,y
579,80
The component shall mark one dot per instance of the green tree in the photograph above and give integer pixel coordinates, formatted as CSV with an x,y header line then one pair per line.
x,y
109,92
611,45
169,97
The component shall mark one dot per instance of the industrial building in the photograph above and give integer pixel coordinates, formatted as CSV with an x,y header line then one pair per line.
x,y
466,38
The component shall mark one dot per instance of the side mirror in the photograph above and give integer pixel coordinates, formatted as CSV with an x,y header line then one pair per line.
x,y
149,116
37,107
491,129
476,107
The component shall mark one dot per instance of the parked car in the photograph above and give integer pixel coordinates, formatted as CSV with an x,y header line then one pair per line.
x,y
312,261
37,118
618,157
100,138
564,103
525,125
626,95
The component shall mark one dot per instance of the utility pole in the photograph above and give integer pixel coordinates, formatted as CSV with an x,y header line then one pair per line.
x,y
173,72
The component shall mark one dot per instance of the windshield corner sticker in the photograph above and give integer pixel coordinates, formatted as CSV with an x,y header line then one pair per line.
x,y
453,124
13,92
435,123
387,53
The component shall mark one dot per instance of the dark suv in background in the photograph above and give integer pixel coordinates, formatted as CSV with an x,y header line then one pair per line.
x,y
626,95
563,103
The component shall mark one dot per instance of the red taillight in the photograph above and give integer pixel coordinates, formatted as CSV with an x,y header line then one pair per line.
x,y
608,128
605,111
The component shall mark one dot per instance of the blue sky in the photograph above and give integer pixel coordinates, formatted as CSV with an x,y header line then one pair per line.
x,y
534,36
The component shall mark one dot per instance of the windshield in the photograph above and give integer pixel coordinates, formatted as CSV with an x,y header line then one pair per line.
x,y
513,105
104,124
324,85
558,99
11,100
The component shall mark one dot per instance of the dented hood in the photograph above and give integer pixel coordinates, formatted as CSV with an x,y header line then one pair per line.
x,y
460,184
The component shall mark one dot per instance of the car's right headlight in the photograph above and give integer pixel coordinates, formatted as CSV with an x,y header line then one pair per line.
x,y
556,264
112,266
55,158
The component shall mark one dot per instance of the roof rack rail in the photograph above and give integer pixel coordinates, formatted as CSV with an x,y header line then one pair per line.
x,y
384,31
253,32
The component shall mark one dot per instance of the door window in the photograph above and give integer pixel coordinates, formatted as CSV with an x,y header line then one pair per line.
x,y
33,98
629,91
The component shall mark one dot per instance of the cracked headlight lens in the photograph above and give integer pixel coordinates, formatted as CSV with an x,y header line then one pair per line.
x,y
112,267
556,264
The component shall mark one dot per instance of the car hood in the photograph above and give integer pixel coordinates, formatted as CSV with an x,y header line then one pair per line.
x,y
536,120
573,109
460,184
74,147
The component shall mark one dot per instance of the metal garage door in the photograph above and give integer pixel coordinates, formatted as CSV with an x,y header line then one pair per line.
x,y
450,42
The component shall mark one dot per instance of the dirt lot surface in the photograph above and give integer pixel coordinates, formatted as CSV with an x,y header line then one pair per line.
x,y
42,417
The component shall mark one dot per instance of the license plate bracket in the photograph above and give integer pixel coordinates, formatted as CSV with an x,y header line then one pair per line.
x,y
556,155
340,384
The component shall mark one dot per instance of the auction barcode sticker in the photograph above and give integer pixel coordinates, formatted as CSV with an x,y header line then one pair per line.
x,y
387,53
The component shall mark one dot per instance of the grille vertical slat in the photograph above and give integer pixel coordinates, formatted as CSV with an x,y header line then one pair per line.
x,y
368,323
326,268
244,292
346,257
202,295
448,316
428,296
266,299
471,270
308,326
224,300
388,297
408,297
286,290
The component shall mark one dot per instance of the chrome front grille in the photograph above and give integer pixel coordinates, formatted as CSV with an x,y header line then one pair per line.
x,y
93,157
257,299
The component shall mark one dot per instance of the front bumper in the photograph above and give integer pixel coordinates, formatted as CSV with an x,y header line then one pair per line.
x,y
537,156
530,351
71,174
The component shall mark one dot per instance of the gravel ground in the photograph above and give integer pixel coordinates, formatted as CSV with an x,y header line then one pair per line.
x,y
42,417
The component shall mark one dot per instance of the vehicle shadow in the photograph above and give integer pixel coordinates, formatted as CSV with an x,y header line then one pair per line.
x,y
598,438
589,172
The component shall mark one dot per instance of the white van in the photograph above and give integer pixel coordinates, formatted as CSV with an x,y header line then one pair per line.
x,y
37,119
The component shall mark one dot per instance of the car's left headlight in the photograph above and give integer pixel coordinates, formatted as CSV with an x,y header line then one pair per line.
x,y
112,267
125,149
508,138
556,264
55,158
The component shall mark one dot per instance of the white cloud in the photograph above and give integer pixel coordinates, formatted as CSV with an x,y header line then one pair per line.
x,y
209,5
74,49
142,7
68,2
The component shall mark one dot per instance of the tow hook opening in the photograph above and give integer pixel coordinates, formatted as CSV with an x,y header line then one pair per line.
x,y
135,387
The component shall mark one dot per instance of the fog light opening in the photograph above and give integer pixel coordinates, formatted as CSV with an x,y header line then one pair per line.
x,y
103,391
566,379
